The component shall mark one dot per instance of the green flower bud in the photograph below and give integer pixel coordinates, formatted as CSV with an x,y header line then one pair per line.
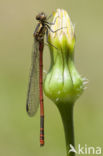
x,y
62,83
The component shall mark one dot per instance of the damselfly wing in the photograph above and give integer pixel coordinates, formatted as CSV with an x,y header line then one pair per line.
x,y
33,97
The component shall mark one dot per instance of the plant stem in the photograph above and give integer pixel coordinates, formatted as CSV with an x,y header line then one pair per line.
x,y
66,111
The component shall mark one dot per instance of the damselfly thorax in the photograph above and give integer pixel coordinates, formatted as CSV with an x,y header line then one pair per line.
x,y
40,32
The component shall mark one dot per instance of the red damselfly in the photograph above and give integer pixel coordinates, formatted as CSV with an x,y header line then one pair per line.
x,y
35,89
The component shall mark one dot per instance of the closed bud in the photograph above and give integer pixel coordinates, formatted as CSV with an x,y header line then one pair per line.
x,y
62,83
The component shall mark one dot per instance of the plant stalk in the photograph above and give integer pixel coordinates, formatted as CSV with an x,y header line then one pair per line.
x,y
66,111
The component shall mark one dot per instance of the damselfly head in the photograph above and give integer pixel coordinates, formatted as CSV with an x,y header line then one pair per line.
x,y
41,16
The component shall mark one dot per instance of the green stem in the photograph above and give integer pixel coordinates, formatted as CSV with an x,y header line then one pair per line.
x,y
66,111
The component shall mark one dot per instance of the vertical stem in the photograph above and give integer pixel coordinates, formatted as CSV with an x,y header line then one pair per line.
x,y
66,111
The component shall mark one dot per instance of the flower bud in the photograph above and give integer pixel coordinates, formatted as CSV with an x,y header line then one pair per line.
x,y
63,83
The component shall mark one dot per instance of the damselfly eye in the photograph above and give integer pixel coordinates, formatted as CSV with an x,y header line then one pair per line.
x,y
38,17
41,17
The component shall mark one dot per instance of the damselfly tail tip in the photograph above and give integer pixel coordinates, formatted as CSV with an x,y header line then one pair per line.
x,y
41,136
41,144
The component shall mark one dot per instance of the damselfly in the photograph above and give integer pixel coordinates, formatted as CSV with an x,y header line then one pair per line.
x,y
35,90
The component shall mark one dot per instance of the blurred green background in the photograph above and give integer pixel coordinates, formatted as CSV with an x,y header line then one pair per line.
x,y
19,134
